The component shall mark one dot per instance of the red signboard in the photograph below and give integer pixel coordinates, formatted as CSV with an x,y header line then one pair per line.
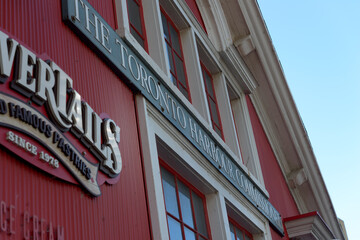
x,y
54,183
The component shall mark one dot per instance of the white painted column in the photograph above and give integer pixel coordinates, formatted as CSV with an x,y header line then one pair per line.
x,y
122,17
246,137
223,100
264,236
219,222
193,70
154,33
152,173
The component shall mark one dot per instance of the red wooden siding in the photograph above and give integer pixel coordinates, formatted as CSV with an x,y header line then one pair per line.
x,y
275,183
121,211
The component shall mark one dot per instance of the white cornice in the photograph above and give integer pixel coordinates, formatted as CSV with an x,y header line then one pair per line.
x,y
308,226
277,150
237,66
245,45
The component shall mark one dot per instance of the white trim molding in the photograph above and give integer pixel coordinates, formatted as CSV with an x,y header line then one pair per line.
x,y
308,226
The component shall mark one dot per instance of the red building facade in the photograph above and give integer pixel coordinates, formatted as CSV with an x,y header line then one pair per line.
x,y
129,119
39,201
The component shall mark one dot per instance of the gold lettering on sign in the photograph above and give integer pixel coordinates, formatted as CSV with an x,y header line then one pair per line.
x,y
22,143
31,148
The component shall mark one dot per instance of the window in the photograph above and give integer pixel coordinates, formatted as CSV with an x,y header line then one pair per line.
x,y
185,208
212,103
244,132
237,232
174,54
238,121
236,131
136,21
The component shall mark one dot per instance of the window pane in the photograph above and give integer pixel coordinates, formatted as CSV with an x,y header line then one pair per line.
x,y
217,130
165,27
184,91
214,114
137,36
199,214
175,39
239,234
134,15
189,235
174,229
232,233
185,203
170,59
208,82
169,192
173,79
180,69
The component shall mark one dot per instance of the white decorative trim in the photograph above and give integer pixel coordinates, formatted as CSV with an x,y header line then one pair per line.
x,y
245,45
193,71
237,66
219,223
122,17
222,97
249,138
308,227
297,178
152,172
215,22
154,33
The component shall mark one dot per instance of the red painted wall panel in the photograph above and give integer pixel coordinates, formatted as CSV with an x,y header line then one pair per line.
x,y
275,183
194,8
121,211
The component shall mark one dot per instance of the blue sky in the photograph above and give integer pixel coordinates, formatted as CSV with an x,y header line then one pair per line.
x,y
318,44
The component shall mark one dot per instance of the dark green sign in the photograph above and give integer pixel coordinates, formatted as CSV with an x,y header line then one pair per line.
x,y
82,18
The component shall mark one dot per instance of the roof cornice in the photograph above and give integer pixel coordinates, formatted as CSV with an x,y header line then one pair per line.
x,y
289,113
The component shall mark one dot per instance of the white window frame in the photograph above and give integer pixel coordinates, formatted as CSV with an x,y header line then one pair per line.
x,y
159,139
